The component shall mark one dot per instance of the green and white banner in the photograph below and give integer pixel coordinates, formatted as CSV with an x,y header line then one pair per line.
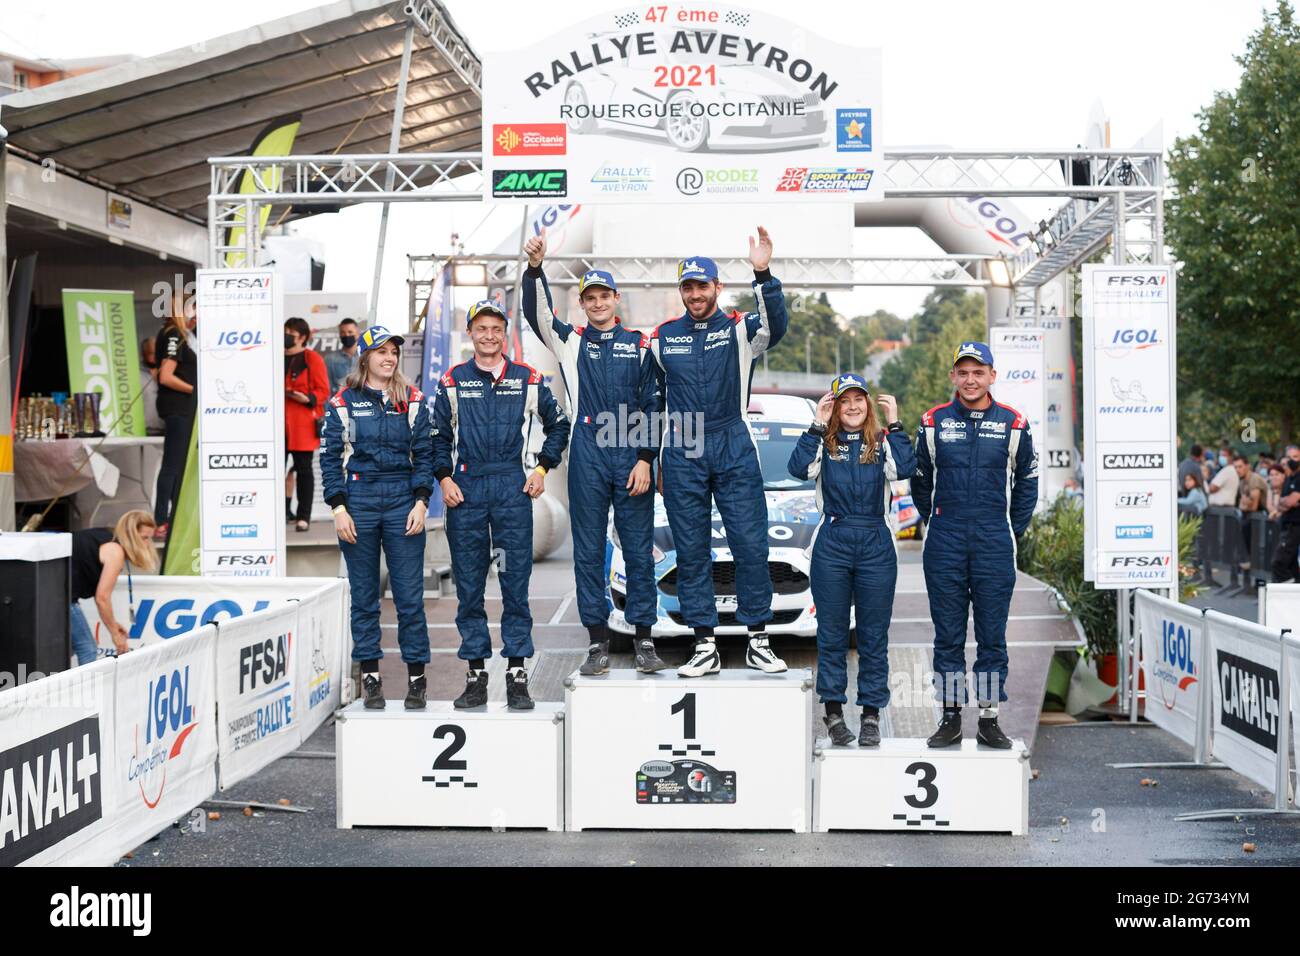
x,y
103,356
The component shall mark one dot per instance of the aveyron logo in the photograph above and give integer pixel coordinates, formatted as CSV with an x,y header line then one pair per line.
x,y
614,178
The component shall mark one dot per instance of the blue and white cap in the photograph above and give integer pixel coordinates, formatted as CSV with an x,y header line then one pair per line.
x,y
376,336
979,351
696,267
484,307
846,382
596,277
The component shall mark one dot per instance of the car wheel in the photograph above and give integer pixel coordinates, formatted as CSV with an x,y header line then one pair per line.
x,y
686,132
575,96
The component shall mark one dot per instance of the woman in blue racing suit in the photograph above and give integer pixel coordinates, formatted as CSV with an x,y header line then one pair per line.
x,y
854,559
376,466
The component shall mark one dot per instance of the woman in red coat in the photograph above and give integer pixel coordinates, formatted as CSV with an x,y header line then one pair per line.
x,y
306,390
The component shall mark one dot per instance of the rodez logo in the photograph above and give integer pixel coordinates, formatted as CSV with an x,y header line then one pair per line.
x,y
529,183
169,720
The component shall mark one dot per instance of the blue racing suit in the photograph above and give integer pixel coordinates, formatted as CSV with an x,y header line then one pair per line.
x,y
481,432
377,459
708,451
976,486
854,558
612,389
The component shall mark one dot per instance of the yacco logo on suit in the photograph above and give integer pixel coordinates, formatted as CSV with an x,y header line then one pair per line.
x,y
1249,699
1174,669
50,788
168,722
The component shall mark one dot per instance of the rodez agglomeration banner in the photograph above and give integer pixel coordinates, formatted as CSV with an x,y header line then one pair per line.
x,y
683,103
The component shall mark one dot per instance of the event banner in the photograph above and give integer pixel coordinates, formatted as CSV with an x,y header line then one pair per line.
x,y
257,701
241,422
1247,696
1131,526
1019,355
1173,649
325,654
688,103
166,748
57,768
104,356
1056,446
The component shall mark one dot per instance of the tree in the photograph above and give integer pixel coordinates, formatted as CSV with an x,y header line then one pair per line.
x,y
878,325
1232,225
809,316
918,375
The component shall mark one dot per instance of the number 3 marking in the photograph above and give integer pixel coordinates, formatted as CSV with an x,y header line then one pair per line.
x,y
925,774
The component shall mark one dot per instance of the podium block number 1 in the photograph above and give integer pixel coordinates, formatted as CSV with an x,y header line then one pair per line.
x,y
684,781
444,760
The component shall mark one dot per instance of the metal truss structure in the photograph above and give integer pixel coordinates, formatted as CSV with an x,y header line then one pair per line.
x,y
1110,195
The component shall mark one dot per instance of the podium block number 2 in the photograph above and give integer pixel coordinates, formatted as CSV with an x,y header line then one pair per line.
x,y
444,760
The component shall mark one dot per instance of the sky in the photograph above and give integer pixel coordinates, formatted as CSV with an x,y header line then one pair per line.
x,y
1014,74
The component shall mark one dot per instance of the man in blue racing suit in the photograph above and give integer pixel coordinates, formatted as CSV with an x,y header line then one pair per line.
x,y
613,393
482,420
976,486
707,359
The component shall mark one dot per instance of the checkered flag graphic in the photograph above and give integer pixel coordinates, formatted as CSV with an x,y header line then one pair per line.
x,y
737,19
624,20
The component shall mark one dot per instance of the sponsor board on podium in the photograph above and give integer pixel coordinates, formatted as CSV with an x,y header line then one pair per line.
x,y
729,751
442,767
904,785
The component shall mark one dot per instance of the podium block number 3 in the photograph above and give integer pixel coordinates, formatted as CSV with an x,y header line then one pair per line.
x,y
925,776
457,735
686,707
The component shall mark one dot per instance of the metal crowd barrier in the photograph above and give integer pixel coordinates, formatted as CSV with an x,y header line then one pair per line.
x,y
1238,544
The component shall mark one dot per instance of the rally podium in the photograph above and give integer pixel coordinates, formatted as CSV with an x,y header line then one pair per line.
x,y
442,767
729,751
904,785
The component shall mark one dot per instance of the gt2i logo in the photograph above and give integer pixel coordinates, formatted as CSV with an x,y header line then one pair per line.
x,y
1134,499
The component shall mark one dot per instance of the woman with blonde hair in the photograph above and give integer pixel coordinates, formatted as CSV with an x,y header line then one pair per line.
x,y
178,376
376,464
854,560
98,557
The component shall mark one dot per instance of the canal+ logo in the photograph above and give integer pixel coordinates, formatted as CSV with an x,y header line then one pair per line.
x,y
169,721
1174,669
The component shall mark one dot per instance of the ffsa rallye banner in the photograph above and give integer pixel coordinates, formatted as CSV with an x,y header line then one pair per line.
x,y
683,103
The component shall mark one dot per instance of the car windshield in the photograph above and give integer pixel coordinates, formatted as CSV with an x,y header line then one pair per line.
x,y
775,441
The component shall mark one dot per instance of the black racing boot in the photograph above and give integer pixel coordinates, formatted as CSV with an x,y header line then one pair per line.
x,y
949,732
416,690
991,735
597,661
841,736
373,689
517,697
869,734
648,660
476,691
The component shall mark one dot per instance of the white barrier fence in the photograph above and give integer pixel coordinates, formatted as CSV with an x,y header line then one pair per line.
x,y
1223,685
95,760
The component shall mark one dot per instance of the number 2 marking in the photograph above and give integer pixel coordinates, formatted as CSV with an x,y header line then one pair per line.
x,y
925,774
457,734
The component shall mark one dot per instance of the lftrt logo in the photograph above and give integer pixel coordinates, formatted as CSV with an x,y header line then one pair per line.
x,y
76,909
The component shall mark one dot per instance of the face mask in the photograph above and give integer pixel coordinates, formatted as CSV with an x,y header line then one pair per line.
x,y
290,340
347,341
1223,460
